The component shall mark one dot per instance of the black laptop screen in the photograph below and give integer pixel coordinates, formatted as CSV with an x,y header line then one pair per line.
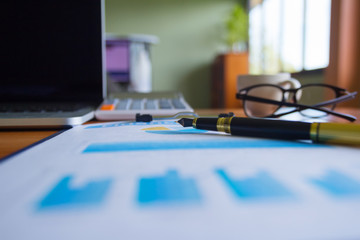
x,y
51,50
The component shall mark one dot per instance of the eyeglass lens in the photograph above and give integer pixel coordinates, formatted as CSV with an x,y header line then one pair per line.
x,y
314,95
259,109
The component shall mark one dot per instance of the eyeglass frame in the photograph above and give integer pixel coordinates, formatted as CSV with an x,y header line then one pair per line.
x,y
340,93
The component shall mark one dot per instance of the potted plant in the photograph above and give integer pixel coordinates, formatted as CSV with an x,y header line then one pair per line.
x,y
234,62
237,28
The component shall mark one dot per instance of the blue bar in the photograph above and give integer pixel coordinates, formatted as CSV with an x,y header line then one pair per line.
x,y
168,189
123,124
173,131
338,184
259,187
62,195
180,145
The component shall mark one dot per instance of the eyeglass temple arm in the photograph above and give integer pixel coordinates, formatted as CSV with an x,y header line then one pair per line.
x,y
298,106
330,102
342,115
321,104
336,100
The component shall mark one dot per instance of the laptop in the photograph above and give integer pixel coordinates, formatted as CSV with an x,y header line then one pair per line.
x,y
52,56
52,62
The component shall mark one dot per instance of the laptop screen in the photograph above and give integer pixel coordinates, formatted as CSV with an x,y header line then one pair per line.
x,y
51,50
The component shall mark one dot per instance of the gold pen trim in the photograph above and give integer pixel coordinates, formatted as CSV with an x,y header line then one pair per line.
x,y
220,125
314,132
227,125
223,124
194,122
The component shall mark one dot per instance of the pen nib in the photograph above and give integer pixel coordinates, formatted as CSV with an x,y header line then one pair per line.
x,y
185,122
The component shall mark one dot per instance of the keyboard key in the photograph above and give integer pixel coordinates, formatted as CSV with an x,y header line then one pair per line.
x,y
178,104
151,104
109,104
165,104
123,104
107,107
136,104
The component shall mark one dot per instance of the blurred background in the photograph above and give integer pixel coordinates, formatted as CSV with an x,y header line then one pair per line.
x,y
202,45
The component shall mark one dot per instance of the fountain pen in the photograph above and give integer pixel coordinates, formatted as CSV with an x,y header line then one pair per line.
x,y
324,132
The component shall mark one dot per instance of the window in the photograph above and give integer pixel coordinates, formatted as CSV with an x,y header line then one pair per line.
x,y
288,35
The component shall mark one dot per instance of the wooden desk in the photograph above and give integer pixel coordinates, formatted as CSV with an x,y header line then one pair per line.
x,y
15,140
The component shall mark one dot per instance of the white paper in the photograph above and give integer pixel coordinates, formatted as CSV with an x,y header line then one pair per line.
x,y
162,181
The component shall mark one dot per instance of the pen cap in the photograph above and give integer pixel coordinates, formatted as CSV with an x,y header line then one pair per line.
x,y
339,133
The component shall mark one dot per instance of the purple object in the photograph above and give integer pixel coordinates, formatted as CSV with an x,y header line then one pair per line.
x,y
118,60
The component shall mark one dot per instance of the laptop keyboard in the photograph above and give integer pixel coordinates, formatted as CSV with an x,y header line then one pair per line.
x,y
11,108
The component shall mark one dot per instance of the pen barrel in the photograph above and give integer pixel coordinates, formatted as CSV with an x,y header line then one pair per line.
x,y
266,128
338,133
206,123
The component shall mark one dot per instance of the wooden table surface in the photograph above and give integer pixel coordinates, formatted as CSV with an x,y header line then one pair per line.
x,y
14,140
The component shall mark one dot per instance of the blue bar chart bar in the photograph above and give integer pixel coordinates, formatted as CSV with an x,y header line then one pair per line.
x,y
261,186
338,184
63,195
170,188
191,145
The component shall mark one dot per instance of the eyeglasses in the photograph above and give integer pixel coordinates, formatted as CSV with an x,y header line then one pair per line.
x,y
264,100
